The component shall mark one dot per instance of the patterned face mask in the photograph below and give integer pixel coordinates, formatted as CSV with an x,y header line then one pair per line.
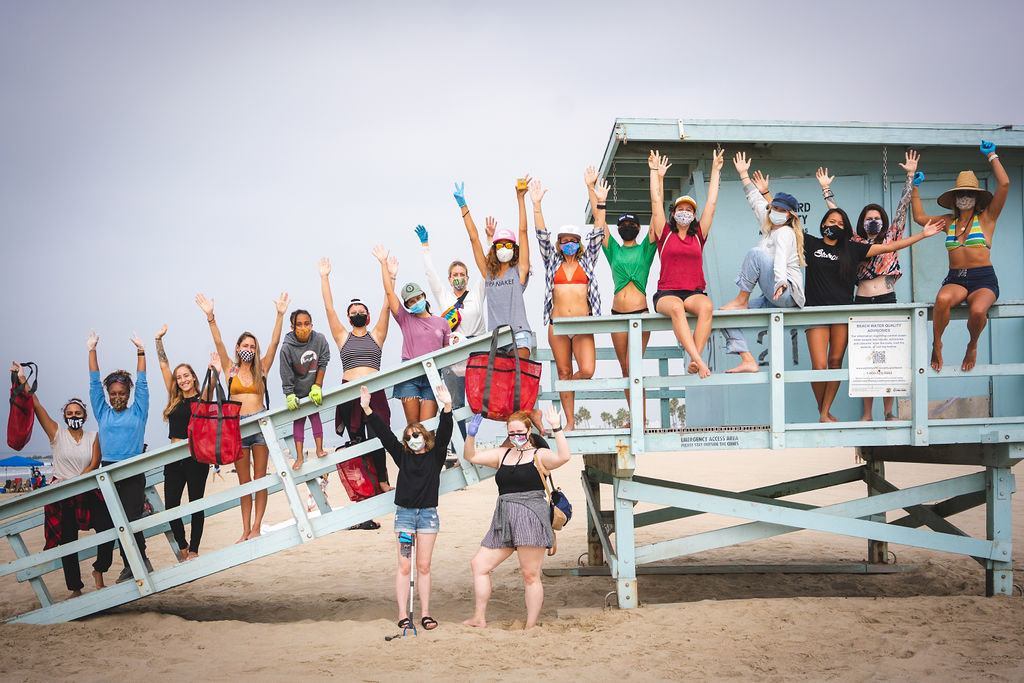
x,y
519,440
246,355
684,218
118,403
74,422
873,226
965,203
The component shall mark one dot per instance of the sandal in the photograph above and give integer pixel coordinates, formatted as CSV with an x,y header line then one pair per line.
x,y
405,623
428,623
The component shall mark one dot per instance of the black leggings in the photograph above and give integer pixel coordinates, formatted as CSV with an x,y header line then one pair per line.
x,y
99,519
132,492
176,476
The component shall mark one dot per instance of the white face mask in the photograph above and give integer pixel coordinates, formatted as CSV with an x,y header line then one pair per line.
x,y
684,218
415,443
505,254
778,217
965,203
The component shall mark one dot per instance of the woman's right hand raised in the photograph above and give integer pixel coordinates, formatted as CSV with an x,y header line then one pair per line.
x,y
381,252
490,225
760,181
92,340
162,332
658,162
16,367
393,266
214,361
590,176
824,179
205,304
364,397
460,194
741,162
910,162
325,267
537,192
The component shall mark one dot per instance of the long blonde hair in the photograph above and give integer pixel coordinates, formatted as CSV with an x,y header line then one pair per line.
x,y
257,364
798,232
176,395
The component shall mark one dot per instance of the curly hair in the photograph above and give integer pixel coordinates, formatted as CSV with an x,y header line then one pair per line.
x,y
118,377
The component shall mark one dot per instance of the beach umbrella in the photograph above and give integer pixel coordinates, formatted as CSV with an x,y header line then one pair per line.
x,y
18,461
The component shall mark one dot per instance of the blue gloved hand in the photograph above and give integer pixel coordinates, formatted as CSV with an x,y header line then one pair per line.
x,y
460,194
918,178
292,401
473,426
316,394
987,147
421,232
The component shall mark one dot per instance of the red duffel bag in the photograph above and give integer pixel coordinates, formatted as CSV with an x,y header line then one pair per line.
x,y
19,425
509,382
214,432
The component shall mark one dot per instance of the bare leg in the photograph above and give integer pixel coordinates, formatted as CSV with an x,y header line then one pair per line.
x,y
747,363
586,359
320,452
620,340
817,343
838,335
739,303
887,403
243,467
979,301
869,403
260,456
402,583
948,296
530,562
428,409
561,349
699,305
673,308
482,564
298,455
424,551
411,408
98,578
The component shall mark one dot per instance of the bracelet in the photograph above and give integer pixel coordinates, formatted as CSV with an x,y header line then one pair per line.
x,y
764,194
992,156
465,213
141,353
602,206
827,193
210,320
556,429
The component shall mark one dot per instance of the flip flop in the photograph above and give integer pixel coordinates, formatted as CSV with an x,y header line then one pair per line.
x,y
428,623
405,623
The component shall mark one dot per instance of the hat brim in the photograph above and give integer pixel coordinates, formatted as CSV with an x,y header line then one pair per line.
x,y
685,201
946,199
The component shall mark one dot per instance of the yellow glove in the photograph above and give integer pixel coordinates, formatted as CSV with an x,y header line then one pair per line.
x,y
316,394
292,401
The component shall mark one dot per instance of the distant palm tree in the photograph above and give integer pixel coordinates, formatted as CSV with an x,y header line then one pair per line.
x,y
583,416
621,417
673,411
607,418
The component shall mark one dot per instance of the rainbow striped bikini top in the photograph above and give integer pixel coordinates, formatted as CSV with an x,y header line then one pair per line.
x,y
975,236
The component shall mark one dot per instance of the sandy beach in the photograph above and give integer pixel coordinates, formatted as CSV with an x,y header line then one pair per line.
x,y
323,610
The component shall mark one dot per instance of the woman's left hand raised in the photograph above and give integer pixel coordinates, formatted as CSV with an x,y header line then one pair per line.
x,y
281,304
553,417
138,342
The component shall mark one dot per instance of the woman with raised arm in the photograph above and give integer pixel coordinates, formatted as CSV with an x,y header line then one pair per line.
x,y
680,241
774,264
122,431
304,358
969,232
420,457
570,290
360,351
75,452
182,391
245,372
422,333
505,268
522,516
877,275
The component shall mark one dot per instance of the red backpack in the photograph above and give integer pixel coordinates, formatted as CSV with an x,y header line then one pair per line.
x,y
19,426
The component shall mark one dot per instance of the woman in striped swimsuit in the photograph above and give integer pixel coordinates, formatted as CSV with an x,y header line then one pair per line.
x,y
969,231
360,356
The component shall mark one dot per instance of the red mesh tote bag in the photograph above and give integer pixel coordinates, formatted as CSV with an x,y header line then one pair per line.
x,y
214,432
499,384
19,425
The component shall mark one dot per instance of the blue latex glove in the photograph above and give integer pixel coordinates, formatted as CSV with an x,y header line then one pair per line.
x,y
292,401
473,426
918,178
421,232
460,194
316,394
987,147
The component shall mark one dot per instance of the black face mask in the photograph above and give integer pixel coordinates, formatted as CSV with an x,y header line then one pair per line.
x,y
74,422
358,319
831,232
628,233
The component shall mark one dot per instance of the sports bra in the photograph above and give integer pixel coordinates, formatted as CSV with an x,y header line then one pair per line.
x,y
975,236
360,352
578,276
236,387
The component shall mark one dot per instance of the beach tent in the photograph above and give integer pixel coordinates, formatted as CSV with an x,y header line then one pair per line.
x,y
18,461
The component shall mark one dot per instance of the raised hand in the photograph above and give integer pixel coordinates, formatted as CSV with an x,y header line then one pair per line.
x,y
536,192
281,303
392,266
987,147
443,396
92,340
824,179
601,190
933,227
910,165
16,367
918,178
325,267
205,304
460,194
138,342
760,181
421,232
658,162
520,192
552,417
717,159
162,332
214,361
473,426
364,397
490,225
741,162
381,253
590,176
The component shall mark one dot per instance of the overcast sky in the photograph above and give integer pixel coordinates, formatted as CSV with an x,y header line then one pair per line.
x,y
154,150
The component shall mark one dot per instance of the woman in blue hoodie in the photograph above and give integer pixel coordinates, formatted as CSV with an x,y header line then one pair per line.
x,y
304,358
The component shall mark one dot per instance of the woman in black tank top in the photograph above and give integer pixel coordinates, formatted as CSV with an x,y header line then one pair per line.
x,y
521,521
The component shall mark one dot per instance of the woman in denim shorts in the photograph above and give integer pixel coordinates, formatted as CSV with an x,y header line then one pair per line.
x,y
420,457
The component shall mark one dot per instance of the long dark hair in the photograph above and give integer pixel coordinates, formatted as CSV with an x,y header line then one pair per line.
x,y
880,237
690,229
847,264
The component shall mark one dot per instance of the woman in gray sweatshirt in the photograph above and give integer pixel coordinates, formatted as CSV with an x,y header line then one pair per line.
x,y
304,358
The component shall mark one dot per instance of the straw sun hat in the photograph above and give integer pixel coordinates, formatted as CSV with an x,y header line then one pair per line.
x,y
966,181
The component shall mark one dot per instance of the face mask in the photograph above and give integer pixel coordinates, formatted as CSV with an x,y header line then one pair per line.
x,y
246,355
519,440
778,217
359,319
505,254
683,218
830,232
628,233
118,403
303,335
570,248
415,443
873,226
965,203
418,307
459,282
74,422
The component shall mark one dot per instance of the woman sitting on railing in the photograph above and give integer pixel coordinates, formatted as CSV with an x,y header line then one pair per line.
x,y
246,378
522,516
681,284
774,263
75,452
570,290
969,232
360,351
420,457
182,391
422,333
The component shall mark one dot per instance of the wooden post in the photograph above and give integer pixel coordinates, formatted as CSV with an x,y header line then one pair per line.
x,y
595,553
878,551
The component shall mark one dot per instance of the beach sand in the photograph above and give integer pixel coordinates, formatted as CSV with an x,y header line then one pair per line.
x,y
323,610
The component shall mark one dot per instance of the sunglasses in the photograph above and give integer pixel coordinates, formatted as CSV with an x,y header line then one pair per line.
x,y
504,245
411,435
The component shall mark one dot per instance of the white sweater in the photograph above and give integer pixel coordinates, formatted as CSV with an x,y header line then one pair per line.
x,y
780,244
474,322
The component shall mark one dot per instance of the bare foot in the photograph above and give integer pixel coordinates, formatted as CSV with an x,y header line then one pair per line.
x,y
691,369
704,371
255,533
75,594
245,537
569,425
182,554
891,418
970,358
298,463
828,417
937,356
474,623
98,578
866,417
321,453
745,366
191,555
734,305
385,487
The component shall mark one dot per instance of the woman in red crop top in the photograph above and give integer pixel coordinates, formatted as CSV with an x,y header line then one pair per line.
x,y
681,284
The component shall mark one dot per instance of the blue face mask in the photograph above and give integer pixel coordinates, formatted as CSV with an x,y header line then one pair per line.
x,y
570,248
418,307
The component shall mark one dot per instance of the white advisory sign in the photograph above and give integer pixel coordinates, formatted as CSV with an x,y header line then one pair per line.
x,y
880,356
